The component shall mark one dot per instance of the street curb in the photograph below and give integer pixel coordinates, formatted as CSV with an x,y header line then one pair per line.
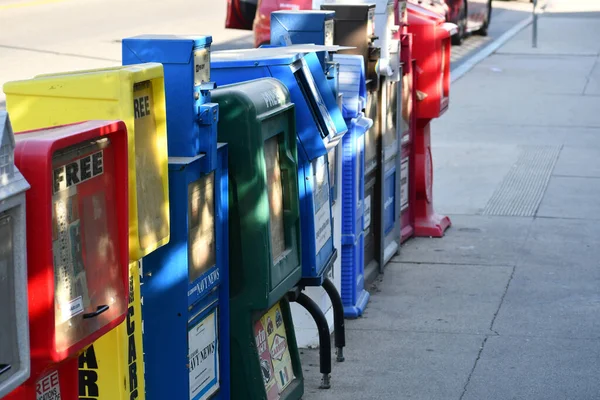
x,y
482,54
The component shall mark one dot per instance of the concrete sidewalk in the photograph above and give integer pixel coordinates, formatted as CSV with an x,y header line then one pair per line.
x,y
507,305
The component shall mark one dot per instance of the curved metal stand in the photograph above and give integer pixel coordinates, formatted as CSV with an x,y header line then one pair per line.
x,y
324,338
338,318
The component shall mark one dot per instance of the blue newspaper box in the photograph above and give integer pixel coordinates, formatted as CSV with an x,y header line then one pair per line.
x,y
191,116
319,126
289,27
185,284
307,26
354,93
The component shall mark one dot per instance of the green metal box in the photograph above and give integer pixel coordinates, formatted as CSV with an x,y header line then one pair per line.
x,y
257,121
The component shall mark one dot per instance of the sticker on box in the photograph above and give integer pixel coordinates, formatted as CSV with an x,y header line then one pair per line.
x,y
203,355
367,212
404,185
48,387
321,202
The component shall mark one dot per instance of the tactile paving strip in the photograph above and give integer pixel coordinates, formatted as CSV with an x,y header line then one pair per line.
x,y
522,189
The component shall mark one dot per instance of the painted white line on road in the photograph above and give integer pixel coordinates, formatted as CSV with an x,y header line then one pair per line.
x,y
28,4
481,55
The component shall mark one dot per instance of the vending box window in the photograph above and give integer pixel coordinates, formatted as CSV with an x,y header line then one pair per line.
x,y
77,246
185,283
355,26
257,122
135,95
14,328
431,51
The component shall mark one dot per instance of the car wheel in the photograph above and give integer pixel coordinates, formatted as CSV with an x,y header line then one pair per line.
x,y
461,22
483,31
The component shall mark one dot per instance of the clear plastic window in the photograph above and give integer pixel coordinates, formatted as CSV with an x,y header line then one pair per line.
x,y
391,115
328,33
201,66
406,104
201,234
371,22
322,217
372,135
88,285
9,355
332,156
275,188
442,69
151,202
315,101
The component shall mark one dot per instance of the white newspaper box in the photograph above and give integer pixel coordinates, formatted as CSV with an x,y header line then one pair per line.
x,y
14,324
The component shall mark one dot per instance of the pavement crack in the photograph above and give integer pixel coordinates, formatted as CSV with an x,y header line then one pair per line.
x,y
453,264
510,278
466,386
589,77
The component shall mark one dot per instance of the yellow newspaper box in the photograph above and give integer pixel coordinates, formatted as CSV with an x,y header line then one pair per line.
x,y
133,94
112,368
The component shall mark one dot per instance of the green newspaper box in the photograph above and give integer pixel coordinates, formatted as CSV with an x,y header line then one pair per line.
x,y
257,121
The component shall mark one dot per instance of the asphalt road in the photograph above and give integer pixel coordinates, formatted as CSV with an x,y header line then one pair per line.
x,y
505,15
44,36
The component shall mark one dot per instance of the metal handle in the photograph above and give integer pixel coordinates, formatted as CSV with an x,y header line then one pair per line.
x,y
99,310
4,368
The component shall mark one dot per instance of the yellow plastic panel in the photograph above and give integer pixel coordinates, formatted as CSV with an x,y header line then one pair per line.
x,y
113,367
133,94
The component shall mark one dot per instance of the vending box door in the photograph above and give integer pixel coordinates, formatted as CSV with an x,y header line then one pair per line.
x,y
79,228
77,236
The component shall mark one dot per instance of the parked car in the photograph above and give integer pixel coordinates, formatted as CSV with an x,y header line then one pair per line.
x,y
240,14
471,16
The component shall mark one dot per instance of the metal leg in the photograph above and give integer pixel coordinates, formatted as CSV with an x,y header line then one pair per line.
x,y
324,338
338,318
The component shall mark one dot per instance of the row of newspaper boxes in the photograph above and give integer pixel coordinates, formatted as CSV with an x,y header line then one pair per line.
x,y
157,219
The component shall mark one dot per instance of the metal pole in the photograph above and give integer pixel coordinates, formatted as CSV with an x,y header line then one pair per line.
x,y
534,30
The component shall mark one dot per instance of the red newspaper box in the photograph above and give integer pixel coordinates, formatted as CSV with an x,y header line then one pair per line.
x,y
77,247
407,122
431,51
